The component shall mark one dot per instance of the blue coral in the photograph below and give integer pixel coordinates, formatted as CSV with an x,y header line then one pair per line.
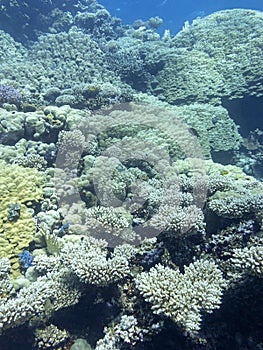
x,y
26,259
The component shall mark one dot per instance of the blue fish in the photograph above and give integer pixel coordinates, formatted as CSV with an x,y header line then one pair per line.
x,y
63,228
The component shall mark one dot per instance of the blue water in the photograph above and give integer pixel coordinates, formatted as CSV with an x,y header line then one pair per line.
x,y
173,12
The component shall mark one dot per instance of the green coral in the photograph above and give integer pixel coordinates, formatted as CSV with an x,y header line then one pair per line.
x,y
23,187
215,130
233,41
190,76
211,125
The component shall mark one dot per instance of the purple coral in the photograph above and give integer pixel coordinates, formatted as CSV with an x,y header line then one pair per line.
x,y
8,94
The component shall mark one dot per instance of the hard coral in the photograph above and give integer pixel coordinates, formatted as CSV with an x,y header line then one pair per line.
x,y
23,187
8,94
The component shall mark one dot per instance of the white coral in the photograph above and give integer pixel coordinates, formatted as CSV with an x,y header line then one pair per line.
x,y
183,296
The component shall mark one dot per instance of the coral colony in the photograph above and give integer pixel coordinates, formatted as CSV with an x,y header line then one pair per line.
x,y
131,191
8,94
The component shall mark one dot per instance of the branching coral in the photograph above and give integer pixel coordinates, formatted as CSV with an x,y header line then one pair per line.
x,y
250,258
87,258
183,296
42,297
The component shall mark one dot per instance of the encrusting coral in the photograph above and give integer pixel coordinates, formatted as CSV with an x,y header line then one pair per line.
x,y
20,191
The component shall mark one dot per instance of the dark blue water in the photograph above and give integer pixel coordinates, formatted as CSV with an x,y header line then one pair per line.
x,y
173,12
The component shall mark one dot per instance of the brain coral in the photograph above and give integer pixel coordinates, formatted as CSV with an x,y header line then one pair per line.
x,y
20,190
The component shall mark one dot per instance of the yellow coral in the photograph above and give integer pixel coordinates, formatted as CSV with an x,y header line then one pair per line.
x,y
23,187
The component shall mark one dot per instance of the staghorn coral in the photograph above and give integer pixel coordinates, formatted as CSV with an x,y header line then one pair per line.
x,y
182,297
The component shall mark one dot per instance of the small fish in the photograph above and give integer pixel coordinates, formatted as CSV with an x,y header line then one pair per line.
x,y
63,228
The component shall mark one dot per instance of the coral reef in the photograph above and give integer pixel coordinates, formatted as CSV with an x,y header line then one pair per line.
x,y
38,300
126,331
119,227
250,258
198,70
8,94
50,337
52,16
71,69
